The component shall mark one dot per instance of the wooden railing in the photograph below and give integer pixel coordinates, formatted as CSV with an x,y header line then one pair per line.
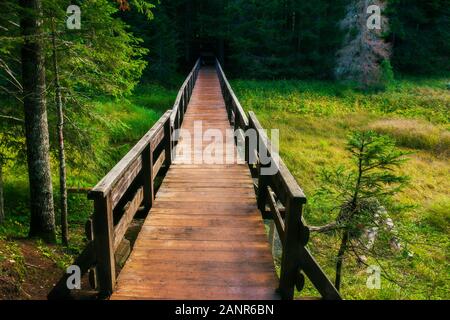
x,y
183,98
280,199
128,188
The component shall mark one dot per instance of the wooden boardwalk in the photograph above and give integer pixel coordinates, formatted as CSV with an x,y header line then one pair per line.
x,y
204,237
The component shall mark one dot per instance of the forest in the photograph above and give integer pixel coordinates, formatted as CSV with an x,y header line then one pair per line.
x,y
341,83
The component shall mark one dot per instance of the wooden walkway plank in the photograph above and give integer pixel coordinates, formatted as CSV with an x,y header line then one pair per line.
x,y
204,237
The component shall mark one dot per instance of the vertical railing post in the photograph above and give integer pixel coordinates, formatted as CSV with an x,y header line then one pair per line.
x,y
168,142
147,174
263,182
247,146
103,244
92,273
186,98
290,258
181,107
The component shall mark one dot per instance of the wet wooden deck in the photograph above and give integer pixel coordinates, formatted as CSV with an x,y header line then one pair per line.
x,y
204,237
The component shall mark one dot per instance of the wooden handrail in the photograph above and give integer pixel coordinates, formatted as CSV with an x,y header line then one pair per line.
x,y
184,95
284,179
124,190
236,113
130,186
122,167
279,187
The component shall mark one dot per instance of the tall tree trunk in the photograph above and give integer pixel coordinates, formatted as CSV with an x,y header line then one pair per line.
x,y
42,222
2,204
62,156
340,259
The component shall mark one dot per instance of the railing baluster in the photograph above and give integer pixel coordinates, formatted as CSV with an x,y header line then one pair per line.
x,y
103,235
168,143
92,273
290,255
147,174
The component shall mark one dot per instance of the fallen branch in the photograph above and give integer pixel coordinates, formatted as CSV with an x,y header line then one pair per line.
x,y
11,118
34,266
326,228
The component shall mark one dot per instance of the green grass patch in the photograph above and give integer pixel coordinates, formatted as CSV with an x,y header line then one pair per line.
x,y
314,119
113,126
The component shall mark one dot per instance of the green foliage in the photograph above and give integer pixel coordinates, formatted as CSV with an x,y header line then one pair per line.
x,y
144,7
287,39
52,253
160,37
12,261
314,118
274,39
114,127
420,33
387,73
358,193
104,56
409,98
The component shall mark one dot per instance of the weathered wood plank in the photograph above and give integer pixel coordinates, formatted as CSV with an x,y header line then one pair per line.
x,y
103,243
283,182
158,164
204,229
312,269
130,210
189,79
229,91
125,181
277,219
110,180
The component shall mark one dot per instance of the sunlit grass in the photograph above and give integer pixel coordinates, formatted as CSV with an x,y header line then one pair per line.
x,y
314,119
114,126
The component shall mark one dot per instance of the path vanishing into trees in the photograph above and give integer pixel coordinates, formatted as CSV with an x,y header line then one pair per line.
x,y
203,236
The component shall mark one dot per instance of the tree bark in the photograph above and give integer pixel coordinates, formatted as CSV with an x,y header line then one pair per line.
x,y
340,259
2,204
62,156
42,223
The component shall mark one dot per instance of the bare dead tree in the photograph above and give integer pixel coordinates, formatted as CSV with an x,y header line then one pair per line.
x,y
364,50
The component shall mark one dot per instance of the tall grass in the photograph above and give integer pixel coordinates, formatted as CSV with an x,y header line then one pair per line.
x,y
113,126
314,119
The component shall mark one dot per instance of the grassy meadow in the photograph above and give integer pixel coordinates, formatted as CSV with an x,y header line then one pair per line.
x,y
314,119
113,126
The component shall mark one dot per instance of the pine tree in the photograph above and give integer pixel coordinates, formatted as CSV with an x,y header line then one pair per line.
x,y
420,33
360,195
103,57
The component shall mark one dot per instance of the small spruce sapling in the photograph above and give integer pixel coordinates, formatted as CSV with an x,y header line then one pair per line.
x,y
359,195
